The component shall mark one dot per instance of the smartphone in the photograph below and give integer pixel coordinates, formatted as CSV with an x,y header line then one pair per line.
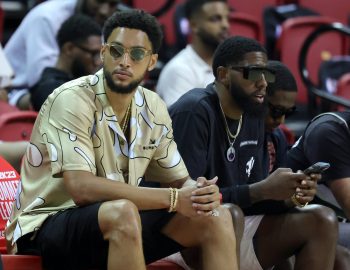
x,y
318,167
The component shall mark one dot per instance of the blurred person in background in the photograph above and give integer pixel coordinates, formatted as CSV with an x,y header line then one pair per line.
x,y
191,67
79,40
33,46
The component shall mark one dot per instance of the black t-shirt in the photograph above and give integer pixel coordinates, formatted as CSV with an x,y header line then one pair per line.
x,y
199,131
50,79
325,139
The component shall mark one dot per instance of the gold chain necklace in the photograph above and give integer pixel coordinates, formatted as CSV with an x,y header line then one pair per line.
x,y
231,152
124,122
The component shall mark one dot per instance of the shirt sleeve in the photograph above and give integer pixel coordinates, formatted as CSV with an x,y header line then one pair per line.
x,y
67,133
329,142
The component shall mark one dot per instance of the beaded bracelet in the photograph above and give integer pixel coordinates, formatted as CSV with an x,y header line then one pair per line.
x,y
174,195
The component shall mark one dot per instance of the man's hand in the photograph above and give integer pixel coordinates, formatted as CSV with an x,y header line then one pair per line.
x,y
198,198
184,203
206,197
306,192
280,185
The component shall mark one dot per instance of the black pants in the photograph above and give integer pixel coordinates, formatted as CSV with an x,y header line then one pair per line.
x,y
72,239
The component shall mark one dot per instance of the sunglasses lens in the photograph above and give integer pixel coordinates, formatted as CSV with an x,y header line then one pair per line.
x,y
255,74
116,51
137,54
269,76
279,112
276,113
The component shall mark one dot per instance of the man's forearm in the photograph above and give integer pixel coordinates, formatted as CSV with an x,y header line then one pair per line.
x,y
257,193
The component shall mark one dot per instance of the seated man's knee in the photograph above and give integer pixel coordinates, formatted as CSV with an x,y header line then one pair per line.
x,y
342,258
221,222
324,217
237,218
119,219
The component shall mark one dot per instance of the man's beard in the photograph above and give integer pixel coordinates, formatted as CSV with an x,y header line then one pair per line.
x,y
127,89
208,39
246,102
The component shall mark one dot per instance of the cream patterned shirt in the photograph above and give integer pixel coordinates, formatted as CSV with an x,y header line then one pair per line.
x,y
77,130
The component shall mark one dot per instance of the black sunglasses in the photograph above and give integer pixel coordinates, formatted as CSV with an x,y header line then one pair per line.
x,y
95,54
254,73
277,112
137,54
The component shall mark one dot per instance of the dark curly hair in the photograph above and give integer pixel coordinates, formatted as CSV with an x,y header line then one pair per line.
x,y
191,7
77,29
135,19
233,50
284,79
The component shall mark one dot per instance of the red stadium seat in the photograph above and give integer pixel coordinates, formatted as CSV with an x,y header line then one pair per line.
x,y
339,10
5,107
166,19
163,265
27,262
256,8
294,31
17,125
21,262
244,24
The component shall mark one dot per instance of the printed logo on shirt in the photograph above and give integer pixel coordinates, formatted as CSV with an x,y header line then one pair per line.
x,y
244,143
297,142
249,166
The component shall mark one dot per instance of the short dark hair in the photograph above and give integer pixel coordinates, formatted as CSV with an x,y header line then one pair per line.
x,y
284,79
77,28
232,50
191,7
135,19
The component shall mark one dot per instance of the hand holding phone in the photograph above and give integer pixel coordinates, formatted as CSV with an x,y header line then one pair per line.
x,y
307,190
318,167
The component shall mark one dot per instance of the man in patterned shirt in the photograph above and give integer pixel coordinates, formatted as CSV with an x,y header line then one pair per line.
x,y
79,205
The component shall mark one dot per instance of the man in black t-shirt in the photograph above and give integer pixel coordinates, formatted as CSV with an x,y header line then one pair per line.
x,y
327,138
220,132
79,41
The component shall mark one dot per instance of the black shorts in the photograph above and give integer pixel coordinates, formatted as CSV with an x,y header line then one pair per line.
x,y
72,239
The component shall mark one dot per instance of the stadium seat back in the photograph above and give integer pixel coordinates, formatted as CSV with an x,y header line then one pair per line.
x,y
17,125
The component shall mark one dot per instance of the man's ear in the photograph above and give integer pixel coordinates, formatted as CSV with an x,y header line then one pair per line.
x,y
103,51
153,61
223,75
67,48
193,25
